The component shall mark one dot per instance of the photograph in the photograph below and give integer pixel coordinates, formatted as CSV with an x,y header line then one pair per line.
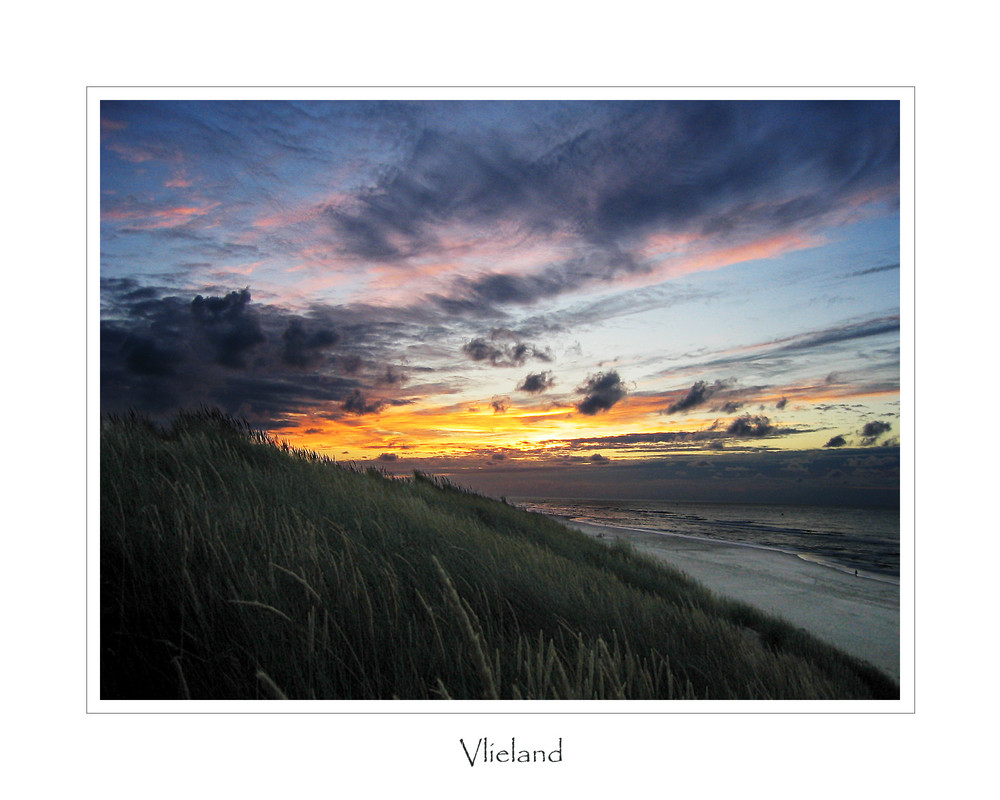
x,y
501,397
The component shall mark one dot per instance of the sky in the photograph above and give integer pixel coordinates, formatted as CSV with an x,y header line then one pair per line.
x,y
669,300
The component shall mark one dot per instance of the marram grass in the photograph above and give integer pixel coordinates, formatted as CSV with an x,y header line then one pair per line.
x,y
234,567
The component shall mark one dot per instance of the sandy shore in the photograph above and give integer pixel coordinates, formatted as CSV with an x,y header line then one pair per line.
x,y
860,615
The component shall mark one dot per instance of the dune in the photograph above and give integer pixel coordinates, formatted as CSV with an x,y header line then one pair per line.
x,y
857,613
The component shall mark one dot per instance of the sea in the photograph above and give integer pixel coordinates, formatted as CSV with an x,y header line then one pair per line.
x,y
847,539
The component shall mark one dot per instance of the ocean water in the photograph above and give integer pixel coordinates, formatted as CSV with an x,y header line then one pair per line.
x,y
849,539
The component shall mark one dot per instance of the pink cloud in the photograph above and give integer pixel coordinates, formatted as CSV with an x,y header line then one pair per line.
x,y
727,256
162,218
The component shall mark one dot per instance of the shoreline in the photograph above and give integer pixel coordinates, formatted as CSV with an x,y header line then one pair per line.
x,y
858,614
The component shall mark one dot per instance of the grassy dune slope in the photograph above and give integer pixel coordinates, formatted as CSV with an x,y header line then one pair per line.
x,y
232,567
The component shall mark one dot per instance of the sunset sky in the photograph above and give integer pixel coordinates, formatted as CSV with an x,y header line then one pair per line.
x,y
660,299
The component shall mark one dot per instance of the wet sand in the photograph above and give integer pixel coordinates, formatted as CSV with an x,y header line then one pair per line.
x,y
858,614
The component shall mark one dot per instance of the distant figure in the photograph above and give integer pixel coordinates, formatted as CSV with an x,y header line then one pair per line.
x,y
855,573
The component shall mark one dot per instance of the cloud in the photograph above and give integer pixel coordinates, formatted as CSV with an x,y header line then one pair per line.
x,y
536,382
228,326
481,350
391,377
388,457
812,343
597,458
500,405
145,356
512,202
301,346
602,177
698,395
602,391
488,293
357,403
781,403
751,426
836,441
873,430
604,172
350,363
260,361
504,349
874,270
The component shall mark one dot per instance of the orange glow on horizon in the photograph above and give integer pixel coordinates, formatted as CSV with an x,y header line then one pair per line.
x,y
459,430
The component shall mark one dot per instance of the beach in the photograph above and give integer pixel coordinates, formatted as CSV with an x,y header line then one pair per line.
x,y
857,613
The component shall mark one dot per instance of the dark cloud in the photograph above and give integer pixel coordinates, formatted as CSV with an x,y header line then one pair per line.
x,y
301,346
836,441
845,333
698,395
145,356
216,309
504,349
444,178
781,403
391,377
633,168
602,391
627,440
873,430
229,327
481,350
160,352
751,426
597,458
388,457
357,403
711,437
485,294
874,270
774,353
351,364
500,405
536,382
268,399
